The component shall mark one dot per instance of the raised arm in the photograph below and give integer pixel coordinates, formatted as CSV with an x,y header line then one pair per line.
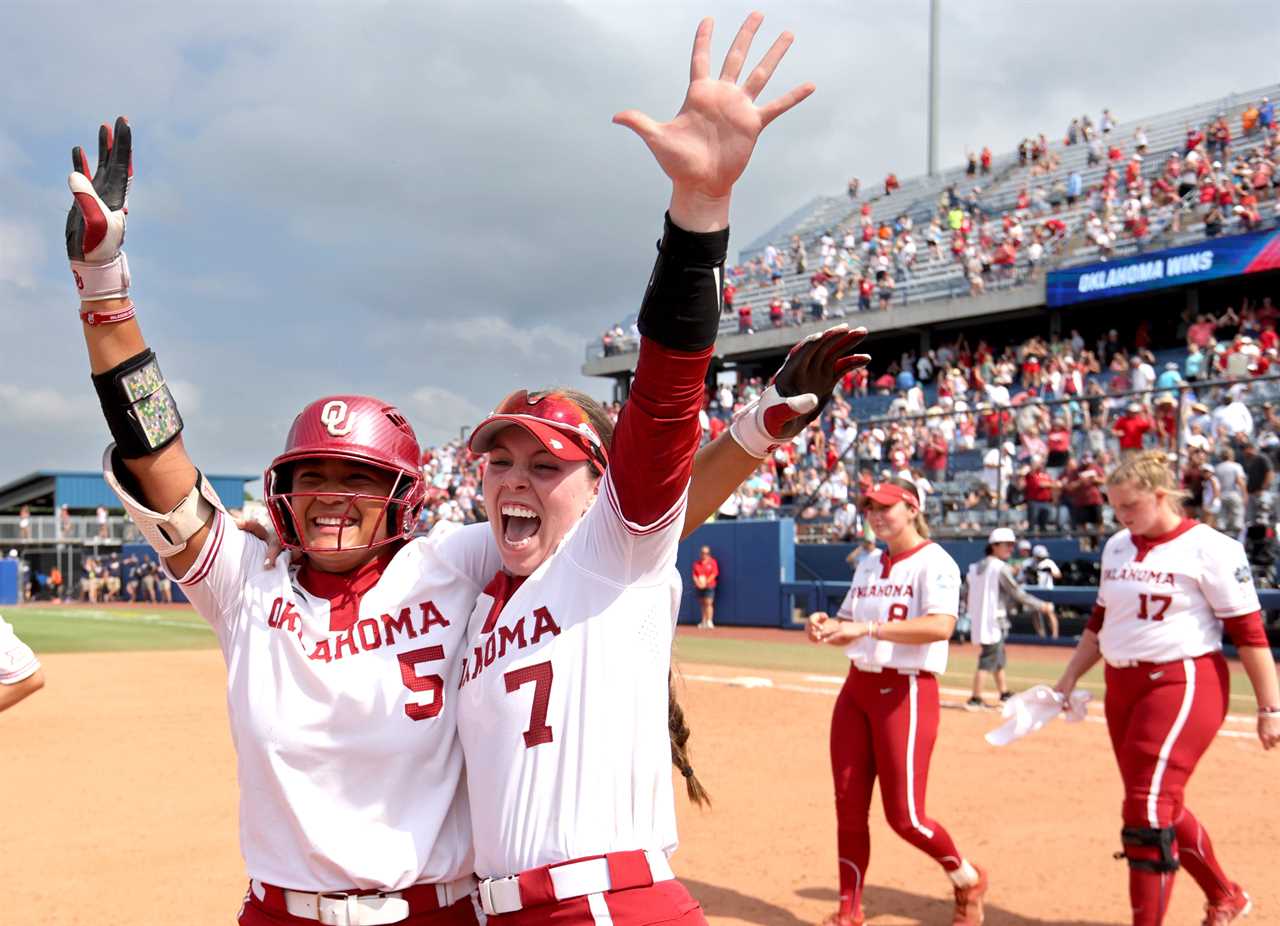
x,y
148,466
703,150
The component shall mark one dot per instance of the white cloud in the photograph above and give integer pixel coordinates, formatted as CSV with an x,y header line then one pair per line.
x,y
22,253
44,407
440,412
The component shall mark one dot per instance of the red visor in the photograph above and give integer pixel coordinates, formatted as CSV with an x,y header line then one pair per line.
x,y
886,493
558,423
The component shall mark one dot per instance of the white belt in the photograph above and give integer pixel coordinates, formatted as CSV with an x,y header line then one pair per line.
x,y
342,909
576,879
868,667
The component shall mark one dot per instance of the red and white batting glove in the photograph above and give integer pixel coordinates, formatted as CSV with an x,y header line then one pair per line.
x,y
799,391
96,223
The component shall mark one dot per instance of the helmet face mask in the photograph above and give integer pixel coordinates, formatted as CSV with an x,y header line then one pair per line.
x,y
359,430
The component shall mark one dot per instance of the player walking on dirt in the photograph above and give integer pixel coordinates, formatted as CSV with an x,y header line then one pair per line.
x,y
1170,587
895,624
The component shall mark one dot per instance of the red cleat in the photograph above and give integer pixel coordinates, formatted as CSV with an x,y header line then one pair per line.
x,y
1229,909
969,902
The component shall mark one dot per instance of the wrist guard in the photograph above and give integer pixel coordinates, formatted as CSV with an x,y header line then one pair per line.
x,y
167,532
138,406
681,308
107,280
761,425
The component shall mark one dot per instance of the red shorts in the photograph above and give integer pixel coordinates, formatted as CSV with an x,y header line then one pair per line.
x,y
666,902
269,910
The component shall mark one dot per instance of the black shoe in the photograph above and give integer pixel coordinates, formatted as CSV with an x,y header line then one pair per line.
x,y
975,704
1005,696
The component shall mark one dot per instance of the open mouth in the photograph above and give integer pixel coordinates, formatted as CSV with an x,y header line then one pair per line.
x,y
519,525
332,524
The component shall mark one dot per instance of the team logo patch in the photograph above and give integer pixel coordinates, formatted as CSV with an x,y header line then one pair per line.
x,y
1244,575
336,418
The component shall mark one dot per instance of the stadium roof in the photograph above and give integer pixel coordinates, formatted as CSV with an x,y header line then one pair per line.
x,y
86,489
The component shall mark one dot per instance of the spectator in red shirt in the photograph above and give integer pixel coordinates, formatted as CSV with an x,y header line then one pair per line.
x,y
1083,487
935,457
891,183
986,159
730,291
1039,488
706,573
775,313
1201,333
744,320
1131,428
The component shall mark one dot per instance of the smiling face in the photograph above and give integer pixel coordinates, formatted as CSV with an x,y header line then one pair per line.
x,y
533,497
334,522
889,521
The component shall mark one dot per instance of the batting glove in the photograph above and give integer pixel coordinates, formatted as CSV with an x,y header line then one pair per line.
x,y
799,391
95,224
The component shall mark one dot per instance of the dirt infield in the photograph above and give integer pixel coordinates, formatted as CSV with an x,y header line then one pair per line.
x,y
118,801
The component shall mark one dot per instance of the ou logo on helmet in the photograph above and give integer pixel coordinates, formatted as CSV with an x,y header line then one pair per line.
x,y
337,418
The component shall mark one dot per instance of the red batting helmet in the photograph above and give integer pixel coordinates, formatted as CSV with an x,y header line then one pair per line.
x,y
360,429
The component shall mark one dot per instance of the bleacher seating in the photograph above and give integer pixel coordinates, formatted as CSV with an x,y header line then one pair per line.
x,y
918,197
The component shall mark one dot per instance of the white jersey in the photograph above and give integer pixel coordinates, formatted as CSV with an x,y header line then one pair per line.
x,y
563,706
922,581
1168,602
349,765
17,662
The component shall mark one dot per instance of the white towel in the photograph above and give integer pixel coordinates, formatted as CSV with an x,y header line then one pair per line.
x,y
1030,710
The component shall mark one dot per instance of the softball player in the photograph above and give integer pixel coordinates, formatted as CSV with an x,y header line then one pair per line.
x,y
1170,586
895,622
20,671
565,712
340,666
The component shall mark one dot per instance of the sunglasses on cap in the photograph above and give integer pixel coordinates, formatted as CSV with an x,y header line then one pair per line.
x,y
558,423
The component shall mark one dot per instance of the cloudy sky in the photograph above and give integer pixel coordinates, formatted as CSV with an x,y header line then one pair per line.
x,y
427,201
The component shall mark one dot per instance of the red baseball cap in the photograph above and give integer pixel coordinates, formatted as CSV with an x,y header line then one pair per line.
x,y
887,493
557,422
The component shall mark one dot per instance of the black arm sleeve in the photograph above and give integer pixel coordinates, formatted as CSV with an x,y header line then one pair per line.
x,y
681,308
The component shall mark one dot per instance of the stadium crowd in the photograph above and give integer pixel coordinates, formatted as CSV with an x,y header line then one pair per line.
x,y
859,265
1026,430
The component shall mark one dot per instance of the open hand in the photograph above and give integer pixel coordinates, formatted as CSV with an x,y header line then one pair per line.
x,y
269,537
706,147
1269,730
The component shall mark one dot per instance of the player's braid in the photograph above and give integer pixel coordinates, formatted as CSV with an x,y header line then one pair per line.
x,y
679,731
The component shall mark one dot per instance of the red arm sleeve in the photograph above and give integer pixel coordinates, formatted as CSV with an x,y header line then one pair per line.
x,y
1246,630
1096,618
651,456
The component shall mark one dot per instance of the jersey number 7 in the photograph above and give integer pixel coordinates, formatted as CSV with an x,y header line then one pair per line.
x,y
540,674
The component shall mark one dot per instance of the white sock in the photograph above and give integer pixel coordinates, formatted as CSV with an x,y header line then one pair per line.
x,y
964,876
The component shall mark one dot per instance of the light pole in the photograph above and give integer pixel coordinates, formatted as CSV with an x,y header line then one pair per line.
x,y
933,86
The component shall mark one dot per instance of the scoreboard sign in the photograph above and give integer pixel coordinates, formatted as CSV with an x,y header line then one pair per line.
x,y
1210,259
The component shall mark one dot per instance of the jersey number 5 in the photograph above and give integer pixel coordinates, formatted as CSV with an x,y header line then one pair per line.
x,y
540,674
409,662
1145,602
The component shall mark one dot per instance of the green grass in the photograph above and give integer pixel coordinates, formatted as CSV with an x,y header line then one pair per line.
x,y
86,629
801,656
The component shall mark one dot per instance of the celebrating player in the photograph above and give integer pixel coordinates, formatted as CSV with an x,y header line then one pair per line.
x,y
20,671
895,622
564,706
341,668
1170,586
